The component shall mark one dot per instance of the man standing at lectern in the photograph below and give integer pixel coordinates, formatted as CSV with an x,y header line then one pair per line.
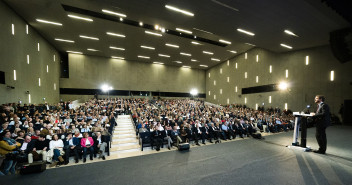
x,y
322,121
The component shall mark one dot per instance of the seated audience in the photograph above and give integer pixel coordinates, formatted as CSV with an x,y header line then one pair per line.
x,y
87,144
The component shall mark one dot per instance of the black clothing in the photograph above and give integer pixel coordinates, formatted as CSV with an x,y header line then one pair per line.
x,y
322,120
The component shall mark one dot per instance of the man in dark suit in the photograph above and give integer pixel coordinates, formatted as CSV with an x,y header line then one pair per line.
x,y
322,121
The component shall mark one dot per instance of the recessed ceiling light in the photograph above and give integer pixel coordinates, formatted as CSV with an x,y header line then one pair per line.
x,y
225,41
140,23
179,62
49,22
183,30
208,52
152,33
196,43
215,59
232,51
186,66
286,46
186,54
203,31
172,45
249,44
115,34
121,19
156,27
113,47
194,60
162,30
90,49
81,18
64,40
76,52
121,58
158,63
114,13
147,47
140,56
246,32
179,10
290,33
203,65
87,37
162,55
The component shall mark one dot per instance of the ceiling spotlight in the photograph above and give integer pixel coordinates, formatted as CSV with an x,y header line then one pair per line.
x,y
249,44
179,10
49,22
183,30
112,47
179,62
156,27
283,86
196,43
286,46
63,40
140,23
115,34
147,47
87,37
246,32
121,19
172,45
163,30
162,55
194,92
140,56
80,18
76,52
194,60
208,52
121,58
152,33
114,13
185,54
290,33
225,41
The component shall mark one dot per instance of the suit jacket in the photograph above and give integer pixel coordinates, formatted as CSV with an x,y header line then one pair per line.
x,y
322,116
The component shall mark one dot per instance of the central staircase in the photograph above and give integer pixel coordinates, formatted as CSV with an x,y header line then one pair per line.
x,y
124,140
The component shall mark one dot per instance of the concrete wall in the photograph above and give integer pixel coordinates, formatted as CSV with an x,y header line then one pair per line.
x,y
305,81
89,72
14,49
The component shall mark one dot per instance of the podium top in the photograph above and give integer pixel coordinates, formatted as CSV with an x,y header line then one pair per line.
x,y
299,114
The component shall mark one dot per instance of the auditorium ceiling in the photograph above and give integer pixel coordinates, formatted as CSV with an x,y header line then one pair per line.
x,y
195,33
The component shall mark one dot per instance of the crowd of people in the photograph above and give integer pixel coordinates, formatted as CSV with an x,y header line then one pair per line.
x,y
54,133
176,121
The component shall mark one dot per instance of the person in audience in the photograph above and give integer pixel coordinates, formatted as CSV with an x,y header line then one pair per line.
x,y
157,138
72,144
175,134
56,150
100,144
8,148
87,144
41,147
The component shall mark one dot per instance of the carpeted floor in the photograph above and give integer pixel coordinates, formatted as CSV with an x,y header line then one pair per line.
x,y
247,161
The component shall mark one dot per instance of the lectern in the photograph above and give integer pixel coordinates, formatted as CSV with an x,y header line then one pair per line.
x,y
300,119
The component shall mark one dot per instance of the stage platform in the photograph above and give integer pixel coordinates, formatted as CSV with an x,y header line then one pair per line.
x,y
247,161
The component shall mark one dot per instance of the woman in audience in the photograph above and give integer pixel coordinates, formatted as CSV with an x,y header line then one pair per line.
x,y
56,146
7,149
87,144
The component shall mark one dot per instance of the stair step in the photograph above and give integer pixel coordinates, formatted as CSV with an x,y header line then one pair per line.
x,y
124,140
124,136
127,147
123,129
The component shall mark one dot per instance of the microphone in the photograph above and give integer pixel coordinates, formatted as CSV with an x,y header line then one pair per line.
x,y
306,110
